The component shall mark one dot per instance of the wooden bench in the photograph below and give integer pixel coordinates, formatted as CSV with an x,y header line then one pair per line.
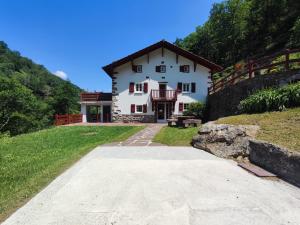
x,y
194,122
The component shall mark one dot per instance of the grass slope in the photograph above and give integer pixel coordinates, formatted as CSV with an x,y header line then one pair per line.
x,y
282,128
29,162
174,136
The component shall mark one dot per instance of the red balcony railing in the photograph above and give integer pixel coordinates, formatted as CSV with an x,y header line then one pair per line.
x,y
163,95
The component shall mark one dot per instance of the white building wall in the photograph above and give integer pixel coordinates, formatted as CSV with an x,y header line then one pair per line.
x,y
125,75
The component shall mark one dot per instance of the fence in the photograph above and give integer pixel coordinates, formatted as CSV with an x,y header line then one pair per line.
x,y
67,119
284,60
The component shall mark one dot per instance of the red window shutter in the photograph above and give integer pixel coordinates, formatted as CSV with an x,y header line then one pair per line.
x,y
134,68
131,87
132,108
180,107
181,68
157,69
179,87
146,87
144,108
193,87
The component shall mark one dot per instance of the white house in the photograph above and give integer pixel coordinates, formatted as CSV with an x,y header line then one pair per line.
x,y
152,84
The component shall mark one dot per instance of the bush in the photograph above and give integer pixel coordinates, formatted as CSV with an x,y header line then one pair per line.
x,y
195,109
272,99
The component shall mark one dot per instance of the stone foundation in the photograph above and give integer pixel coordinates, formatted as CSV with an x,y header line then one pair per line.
x,y
128,118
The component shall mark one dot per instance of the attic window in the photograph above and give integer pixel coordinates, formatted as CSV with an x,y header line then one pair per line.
x,y
184,68
137,68
160,69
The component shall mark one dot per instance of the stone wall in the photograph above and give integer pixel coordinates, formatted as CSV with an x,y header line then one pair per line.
x,y
225,102
134,118
277,160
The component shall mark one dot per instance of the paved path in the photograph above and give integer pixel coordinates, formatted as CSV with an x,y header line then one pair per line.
x,y
159,186
142,138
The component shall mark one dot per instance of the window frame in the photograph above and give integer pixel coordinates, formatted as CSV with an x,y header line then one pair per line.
x,y
184,89
136,109
185,106
140,87
186,68
139,68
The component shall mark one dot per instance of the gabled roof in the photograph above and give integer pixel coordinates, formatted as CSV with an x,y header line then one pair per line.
x,y
162,44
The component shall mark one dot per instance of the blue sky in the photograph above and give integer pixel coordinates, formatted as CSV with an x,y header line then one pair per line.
x,y
79,37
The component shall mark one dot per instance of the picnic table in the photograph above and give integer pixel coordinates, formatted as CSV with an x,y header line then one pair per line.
x,y
179,121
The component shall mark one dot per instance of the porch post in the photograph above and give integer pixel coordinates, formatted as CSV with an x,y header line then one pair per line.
x,y
83,112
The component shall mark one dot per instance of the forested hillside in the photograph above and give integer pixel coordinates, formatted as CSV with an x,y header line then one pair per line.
x,y
241,29
30,95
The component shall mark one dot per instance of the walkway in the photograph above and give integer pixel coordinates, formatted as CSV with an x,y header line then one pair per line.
x,y
159,186
142,138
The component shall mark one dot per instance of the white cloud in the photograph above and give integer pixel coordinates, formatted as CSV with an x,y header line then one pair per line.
x,y
61,74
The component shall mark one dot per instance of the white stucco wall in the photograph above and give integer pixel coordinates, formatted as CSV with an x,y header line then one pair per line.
x,y
125,75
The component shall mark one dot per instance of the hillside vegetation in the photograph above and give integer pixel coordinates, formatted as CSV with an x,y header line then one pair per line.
x,y
239,29
30,95
282,128
28,162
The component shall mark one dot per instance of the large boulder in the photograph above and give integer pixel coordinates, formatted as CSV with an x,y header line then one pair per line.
x,y
223,140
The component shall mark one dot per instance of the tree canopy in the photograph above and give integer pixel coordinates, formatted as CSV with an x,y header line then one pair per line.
x,y
242,29
30,95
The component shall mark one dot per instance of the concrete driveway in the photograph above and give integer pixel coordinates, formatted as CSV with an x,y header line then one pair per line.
x,y
159,186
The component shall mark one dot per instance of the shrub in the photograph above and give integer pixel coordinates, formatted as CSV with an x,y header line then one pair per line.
x,y
272,99
195,109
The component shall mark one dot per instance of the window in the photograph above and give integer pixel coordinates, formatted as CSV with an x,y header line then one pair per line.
x,y
184,68
139,108
139,68
160,69
138,87
185,87
186,106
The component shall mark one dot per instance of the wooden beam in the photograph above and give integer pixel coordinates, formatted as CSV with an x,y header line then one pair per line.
x,y
148,58
195,66
162,51
176,58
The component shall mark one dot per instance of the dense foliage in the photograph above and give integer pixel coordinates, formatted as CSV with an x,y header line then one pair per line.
x,y
240,29
195,109
272,99
30,95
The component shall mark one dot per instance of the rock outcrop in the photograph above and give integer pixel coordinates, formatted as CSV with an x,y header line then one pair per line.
x,y
223,140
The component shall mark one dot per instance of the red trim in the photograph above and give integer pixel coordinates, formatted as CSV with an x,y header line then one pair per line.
x,y
193,88
132,108
180,108
179,87
145,87
131,87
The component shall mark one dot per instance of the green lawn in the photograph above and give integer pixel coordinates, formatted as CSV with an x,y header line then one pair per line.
x,y
29,162
175,136
282,128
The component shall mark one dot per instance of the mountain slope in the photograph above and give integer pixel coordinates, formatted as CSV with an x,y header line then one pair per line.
x,y
30,95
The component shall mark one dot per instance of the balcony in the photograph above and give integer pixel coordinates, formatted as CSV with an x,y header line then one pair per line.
x,y
95,97
163,95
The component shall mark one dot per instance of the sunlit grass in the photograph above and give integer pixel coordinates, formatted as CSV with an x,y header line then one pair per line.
x,y
29,162
282,128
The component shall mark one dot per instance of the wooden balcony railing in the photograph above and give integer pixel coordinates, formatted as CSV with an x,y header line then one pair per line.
x,y
163,95
282,61
90,97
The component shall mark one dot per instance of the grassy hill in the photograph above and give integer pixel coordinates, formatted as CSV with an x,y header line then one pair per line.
x,y
281,128
30,95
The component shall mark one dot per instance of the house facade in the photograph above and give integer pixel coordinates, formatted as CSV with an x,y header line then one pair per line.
x,y
155,83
